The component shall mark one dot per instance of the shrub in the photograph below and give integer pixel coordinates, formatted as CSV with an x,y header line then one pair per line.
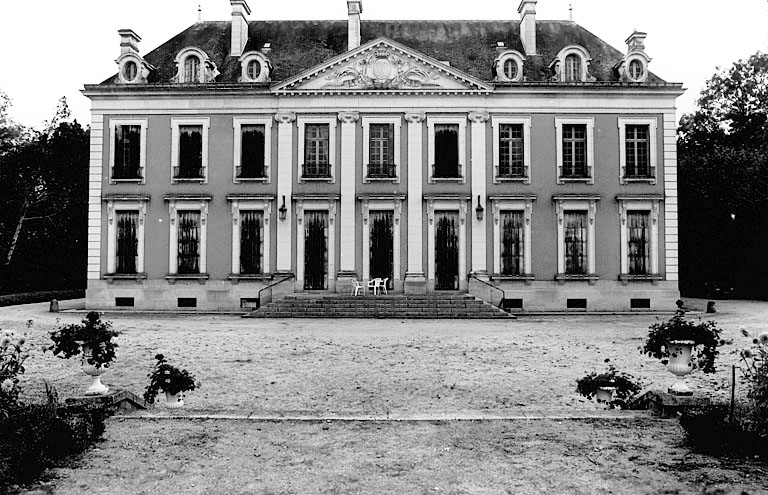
x,y
711,430
755,374
93,334
13,353
167,378
705,335
626,385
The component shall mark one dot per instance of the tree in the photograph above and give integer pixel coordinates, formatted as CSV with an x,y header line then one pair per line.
x,y
723,184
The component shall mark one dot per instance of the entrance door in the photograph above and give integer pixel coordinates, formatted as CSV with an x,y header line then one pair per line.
x,y
381,246
446,251
315,250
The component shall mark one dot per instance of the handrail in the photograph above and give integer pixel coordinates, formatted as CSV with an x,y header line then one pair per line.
x,y
270,286
473,276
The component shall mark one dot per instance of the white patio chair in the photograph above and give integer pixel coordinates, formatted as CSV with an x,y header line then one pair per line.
x,y
357,288
373,285
383,285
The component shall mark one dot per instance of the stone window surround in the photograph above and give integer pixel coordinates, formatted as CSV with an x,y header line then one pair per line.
x,y
576,202
397,123
142,68
456,203
205,122
250,203
302,121
381,203
125,203
590,124
316,203
113,124
432,120
652,148
187,203
522,203
514,55
237,124
580,52
650,204
248,57
496,122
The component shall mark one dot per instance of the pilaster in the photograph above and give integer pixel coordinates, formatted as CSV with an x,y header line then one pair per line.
x,y
284,190
347,273
415,282
478,166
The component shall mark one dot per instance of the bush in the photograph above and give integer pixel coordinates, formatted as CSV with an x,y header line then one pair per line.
x,y
625,384
167,378
34,437
92,337
710,430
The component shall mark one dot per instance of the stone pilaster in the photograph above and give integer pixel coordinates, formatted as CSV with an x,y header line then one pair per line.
x,y
284,190
478,165
347,273
415,282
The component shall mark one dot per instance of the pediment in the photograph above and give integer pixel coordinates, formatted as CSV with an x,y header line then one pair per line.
x,y
382,65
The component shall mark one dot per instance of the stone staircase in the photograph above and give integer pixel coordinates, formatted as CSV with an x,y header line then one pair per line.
x,y
453,306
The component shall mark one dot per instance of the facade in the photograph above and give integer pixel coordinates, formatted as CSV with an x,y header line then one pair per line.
x,y
526,162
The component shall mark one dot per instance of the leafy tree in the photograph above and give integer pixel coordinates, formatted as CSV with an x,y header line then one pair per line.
x,y
723,185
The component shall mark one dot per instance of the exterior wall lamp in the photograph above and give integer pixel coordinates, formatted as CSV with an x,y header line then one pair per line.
x,y
479,211
283,210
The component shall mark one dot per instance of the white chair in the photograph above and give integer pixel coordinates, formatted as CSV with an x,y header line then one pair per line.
x,y
373,285
383,285
357,288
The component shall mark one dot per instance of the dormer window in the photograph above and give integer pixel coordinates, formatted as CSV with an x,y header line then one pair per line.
x,y
634,66
509,66
192,69
255,67
636,70
130,70
510,69
572,65
193,66
133,69
573,68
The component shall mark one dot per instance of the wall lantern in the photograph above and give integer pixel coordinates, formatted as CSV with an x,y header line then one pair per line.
x,y
479,210
283,210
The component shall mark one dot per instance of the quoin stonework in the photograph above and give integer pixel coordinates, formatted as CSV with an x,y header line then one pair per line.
x,y
523,154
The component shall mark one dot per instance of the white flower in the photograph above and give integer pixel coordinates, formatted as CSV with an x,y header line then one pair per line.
x,y
7,385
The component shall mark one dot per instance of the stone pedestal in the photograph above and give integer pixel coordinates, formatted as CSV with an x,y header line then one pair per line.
x,y
415,283
345,282
115,401
667,405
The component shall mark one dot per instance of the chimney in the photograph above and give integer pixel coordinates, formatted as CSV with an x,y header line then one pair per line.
x,y
240,9
129,41
527,10
354,9
636,42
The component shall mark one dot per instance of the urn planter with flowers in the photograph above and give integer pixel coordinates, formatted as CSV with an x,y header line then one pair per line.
x,y
94,341
611,388
171,380
684,345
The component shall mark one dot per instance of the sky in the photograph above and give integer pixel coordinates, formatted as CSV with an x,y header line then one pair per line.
x,y
51,48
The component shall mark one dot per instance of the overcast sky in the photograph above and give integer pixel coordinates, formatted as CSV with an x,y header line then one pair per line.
x,y
50,48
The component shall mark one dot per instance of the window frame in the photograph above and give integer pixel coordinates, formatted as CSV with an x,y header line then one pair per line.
x,y
396,123
175,205
239,204
302,122
125,203
237,125
176,123
588,204
254,56
510,55
496,122
522,204
652,205
462,137
590,128
113,124
559,64
652,124
206,71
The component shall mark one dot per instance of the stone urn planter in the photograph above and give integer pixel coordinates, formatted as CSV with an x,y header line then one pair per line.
x,y
604,395
680,365
171,380
95,372
174,401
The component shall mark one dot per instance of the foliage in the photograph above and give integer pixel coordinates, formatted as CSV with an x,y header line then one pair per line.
x,y
36,436
94,334
625,384
168,378
712,430
13,354
755,373
705,335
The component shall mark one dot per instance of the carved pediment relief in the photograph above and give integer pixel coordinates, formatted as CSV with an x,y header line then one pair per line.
x,y
383,65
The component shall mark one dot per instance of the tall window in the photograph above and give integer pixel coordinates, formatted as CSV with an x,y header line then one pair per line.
x,y
638,163
511,150
512,247
382,151
447,151
251,244
127,242
572,68
192,69
190,152
316,151
574,151
251,152
575,230
127,152
188,242
638,227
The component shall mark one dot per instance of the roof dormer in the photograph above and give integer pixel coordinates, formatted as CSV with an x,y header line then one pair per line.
x,y
572,65
193,67
634,66
133,69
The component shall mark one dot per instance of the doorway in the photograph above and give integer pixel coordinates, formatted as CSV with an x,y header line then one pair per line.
x,y
381,246
446,251
315,250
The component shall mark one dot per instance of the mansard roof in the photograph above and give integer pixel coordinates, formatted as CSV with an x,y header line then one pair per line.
x,y
468,46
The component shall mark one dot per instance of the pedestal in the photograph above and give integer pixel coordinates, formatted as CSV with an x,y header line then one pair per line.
x,y
415,283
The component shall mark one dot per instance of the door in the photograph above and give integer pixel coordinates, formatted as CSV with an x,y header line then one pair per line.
x,y
315,250
382,239
446,251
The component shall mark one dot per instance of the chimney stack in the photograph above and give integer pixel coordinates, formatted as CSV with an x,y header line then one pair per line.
x,y
129,41
240,10
636,42
527,10
354,9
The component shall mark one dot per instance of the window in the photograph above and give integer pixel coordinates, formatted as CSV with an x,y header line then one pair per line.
x,y
127,242
510,69
575,243
317,148
188,233
508,66
576,215
511,151
636,70
381,148
447,148
575,150
251,227
130,70
252,149
189,152
192,69
573,68
188,242
254,69
637,141
128,156
512,243
254,66
639,233
639,237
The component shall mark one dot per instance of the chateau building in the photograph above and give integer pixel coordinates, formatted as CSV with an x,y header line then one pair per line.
x,y
524,161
